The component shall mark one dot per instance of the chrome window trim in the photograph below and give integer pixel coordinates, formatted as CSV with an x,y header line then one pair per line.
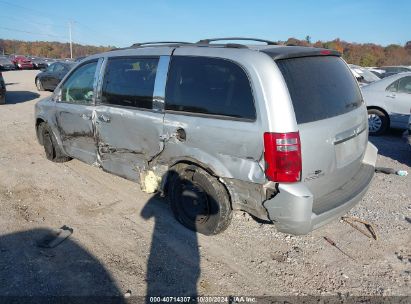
x,y
159,93
101,67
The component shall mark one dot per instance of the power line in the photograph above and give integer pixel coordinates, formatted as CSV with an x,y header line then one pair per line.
x,y
27,8
54,16
93,31
28,32
29,21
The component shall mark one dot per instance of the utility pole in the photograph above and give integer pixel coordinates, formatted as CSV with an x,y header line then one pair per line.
x,y
71,42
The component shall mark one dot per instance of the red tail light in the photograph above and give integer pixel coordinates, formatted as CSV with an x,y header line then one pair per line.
x,y
325,52
282,154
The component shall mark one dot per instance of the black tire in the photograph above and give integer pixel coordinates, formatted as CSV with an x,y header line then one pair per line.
x,y
39,85
378,122
198,200
51,147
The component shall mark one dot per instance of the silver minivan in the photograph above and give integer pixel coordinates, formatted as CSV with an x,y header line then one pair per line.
x,y
277,131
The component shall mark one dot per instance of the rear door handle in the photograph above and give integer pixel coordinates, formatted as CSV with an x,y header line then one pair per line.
x,y
104,118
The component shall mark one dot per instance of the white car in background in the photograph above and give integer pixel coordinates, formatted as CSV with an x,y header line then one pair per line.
x,y
388,103
363,75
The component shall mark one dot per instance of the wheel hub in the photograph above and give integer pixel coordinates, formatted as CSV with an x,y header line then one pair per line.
x,y
195,205
374,123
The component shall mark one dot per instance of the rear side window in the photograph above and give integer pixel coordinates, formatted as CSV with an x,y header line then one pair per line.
x,y
320,87
404,85
209,86
129,82
393,87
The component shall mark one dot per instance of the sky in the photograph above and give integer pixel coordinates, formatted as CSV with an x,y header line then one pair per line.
x,y
124,22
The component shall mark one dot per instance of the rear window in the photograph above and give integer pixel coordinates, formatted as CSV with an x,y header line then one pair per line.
x,y
320,87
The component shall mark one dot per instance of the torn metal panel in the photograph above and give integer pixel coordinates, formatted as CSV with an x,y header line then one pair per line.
x,y
76,130
229,148
246,196
127,139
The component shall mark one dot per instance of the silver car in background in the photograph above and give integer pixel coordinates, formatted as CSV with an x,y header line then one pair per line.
x,y
278,131
388,102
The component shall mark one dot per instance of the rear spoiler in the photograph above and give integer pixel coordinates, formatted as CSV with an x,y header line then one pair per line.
x,y
287,52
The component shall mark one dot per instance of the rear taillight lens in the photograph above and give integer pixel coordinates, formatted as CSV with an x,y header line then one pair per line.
x,y
282,154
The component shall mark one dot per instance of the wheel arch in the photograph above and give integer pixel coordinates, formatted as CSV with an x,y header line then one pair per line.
x,y
382,110
193,162
39,121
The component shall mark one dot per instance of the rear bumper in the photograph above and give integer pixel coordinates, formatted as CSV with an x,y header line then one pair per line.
x,y
294,209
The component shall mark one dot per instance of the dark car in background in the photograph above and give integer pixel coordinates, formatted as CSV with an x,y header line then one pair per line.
x,y
2,90
49,61
6,64
51,76
392,70
39,63
21,62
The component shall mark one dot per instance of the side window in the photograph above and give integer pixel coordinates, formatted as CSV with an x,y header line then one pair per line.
x,y
51,67
393,87
59,68
78,88
209,86
404,85
129,82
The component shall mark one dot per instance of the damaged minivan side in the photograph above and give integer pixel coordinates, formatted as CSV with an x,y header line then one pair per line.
x,y
277,131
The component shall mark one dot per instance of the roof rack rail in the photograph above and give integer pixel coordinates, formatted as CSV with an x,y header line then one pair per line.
x,y
159,42
207,41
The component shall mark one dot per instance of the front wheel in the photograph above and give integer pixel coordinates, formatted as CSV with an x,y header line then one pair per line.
x,y
198,200
377,122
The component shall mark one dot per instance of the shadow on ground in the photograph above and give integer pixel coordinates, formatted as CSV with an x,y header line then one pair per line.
x,y
392,145
67,270
173,267
14,97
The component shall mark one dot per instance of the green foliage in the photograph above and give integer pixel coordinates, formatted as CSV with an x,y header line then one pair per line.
x,y
368,60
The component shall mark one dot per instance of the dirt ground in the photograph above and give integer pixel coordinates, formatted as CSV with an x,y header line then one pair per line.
x,y
126,240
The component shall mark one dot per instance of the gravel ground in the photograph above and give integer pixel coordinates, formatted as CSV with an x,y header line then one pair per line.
x,y
127,240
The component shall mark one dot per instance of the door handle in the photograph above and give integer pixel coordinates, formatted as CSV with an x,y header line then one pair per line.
x,y
104,118
391,96
85,116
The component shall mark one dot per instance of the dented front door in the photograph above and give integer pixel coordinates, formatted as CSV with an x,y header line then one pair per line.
x,y
74,112
129,120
